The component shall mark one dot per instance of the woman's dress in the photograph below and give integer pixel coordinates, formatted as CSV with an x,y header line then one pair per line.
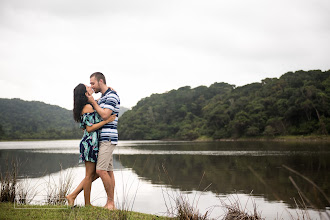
x,y
89,144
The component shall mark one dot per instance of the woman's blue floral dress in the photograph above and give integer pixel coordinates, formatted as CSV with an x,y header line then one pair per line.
x,y
89,144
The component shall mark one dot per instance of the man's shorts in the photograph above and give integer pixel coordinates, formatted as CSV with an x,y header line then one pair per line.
x,y
105,158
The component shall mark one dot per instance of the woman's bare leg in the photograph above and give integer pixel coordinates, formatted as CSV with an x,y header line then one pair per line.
x,y
87,185
71,197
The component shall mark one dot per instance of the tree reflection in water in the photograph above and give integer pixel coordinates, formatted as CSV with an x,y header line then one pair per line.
x,y
230,173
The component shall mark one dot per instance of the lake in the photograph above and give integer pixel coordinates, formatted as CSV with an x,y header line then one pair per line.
x,y
151,175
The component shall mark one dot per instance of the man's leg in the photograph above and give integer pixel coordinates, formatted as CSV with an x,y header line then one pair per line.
x,y
108,182
112,188
104,170
112,179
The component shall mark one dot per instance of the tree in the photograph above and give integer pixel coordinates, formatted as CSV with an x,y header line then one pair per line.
x,y
2,133
298,103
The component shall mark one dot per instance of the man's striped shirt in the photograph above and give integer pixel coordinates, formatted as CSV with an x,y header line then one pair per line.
x,y
110,100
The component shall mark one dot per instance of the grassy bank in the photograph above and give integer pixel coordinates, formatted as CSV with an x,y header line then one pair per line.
x,y
11,211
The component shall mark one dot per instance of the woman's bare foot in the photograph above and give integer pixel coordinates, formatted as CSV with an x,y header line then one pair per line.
x,y
70,200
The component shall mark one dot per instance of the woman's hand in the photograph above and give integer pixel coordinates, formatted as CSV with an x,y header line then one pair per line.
x,y
111,118
89,97
112,89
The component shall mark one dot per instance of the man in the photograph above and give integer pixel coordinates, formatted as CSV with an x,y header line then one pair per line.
x,y
107,105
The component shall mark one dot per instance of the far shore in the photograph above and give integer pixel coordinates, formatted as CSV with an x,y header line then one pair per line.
x,y
289,138
284,138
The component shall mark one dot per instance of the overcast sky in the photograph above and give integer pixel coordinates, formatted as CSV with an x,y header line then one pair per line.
x,y
47,47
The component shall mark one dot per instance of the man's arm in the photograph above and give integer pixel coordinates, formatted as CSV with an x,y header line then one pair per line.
x,y
105,113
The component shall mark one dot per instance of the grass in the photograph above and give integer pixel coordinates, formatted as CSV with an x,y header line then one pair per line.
x,y
303,203
8,183
185,210
25,192
56,192
178,205
9,211
236,211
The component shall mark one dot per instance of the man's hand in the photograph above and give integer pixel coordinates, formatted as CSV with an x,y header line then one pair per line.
x,y
90,98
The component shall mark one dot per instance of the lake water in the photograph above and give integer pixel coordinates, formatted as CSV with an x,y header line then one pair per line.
x,y
151,175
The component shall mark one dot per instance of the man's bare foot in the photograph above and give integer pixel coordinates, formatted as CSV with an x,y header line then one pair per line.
x,y
110,207
70,200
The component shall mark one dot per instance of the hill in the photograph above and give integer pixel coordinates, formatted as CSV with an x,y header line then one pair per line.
x,y
36,120
297,103
122,110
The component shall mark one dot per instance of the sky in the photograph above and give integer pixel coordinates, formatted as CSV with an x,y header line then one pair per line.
x,y
47,47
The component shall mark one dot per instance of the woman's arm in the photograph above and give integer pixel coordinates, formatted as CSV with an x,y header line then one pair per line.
x,y
96,126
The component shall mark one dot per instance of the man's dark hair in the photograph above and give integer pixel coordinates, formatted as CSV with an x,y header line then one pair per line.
x,y
98,76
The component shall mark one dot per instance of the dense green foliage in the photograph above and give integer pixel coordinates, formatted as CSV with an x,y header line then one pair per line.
x,y
297,103
37,120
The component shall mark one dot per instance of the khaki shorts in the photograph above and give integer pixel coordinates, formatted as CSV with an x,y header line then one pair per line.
x,y
105,158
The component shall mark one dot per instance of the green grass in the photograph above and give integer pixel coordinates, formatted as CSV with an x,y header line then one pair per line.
x,y
9,211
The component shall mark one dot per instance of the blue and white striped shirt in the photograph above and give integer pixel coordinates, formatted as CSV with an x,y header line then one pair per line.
x,y
110,100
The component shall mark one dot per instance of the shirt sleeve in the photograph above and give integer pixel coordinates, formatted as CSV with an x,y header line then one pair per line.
x,y
111,101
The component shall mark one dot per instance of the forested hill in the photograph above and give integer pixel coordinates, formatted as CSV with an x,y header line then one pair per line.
x,y
297,103
36,120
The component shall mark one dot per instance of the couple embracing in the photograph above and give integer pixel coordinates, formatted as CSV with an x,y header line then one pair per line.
x,y
99,120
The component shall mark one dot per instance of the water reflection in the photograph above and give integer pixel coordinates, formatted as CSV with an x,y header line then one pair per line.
x,y
230,173
33,164
193,166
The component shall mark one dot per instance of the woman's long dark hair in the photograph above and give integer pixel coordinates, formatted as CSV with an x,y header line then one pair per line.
x,y
79,101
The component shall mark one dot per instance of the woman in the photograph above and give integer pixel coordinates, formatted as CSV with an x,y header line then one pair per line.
x,y
90,121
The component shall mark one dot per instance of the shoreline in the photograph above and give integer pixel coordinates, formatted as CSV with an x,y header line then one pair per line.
x,y
288,138
284,139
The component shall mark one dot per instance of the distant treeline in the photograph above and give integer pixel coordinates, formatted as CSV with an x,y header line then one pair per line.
x,y
36,120
297,103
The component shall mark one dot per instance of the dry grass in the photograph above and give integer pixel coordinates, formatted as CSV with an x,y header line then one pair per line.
x,y
179,206
185,211
56,192
8,183
25,193
303,202
12,190
235,211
